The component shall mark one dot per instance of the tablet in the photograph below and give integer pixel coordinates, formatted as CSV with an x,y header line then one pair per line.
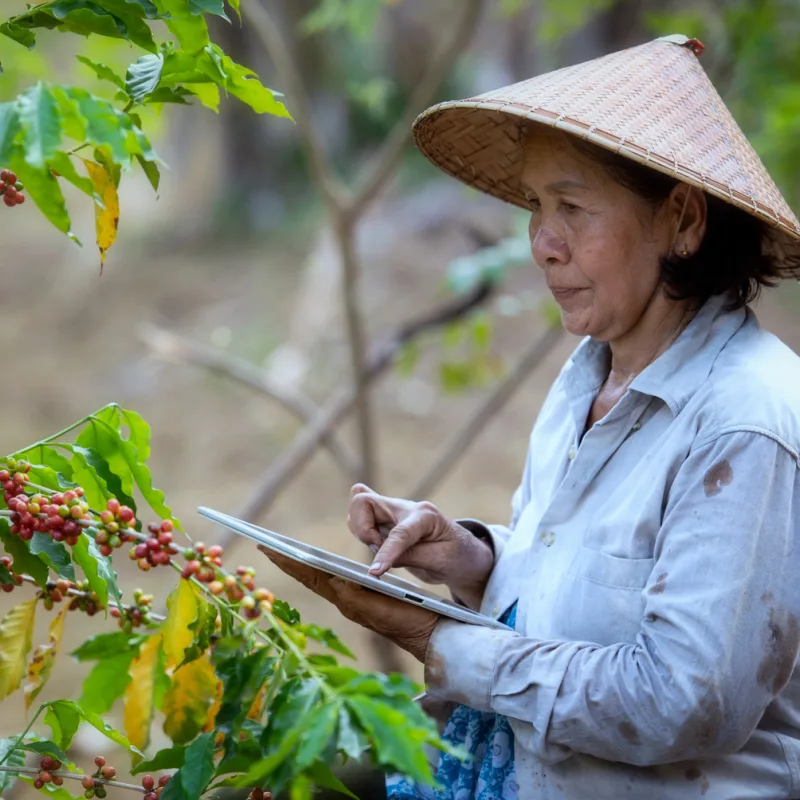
x,y
351,570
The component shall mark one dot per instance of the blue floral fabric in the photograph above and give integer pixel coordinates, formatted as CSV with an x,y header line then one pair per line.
x,y
490,775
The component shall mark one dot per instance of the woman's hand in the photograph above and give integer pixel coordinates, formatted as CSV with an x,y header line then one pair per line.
x,y
418,536
407,626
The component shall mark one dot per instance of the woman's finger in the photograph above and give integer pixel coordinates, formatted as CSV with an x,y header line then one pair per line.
x,y
402,538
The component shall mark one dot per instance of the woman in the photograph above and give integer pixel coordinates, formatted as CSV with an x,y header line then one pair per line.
x,y
651,569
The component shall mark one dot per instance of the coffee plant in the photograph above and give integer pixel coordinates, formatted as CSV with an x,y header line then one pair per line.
x,y
249,695
229,668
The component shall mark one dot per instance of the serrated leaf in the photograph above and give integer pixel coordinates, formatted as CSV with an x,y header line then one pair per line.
x,y
168,758
350,738
97,569
143,76
24,562
9,130
85,475
44,657
53,553
16,632
181,616
106,212
188,700
64,719
140,693
190,30
40,118
103,72
206,93
107,681
9,757
327,637
207,7
283,611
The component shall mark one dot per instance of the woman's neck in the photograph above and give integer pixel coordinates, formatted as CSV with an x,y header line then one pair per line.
x,y
654,334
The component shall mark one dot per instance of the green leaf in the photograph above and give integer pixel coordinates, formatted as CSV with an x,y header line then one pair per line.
x,y
283,611
104,126
110,733
202,628
123,460
241,82
54,554
97,569
44,455
207,7
41,124
64,719
327,637
9,130
85,474
104,475
242,678
322,776
151,171
19,34
9,758
198,766
319,731
16,632
103,72
45,747
143,76
106,682
5,576
24,562
350,738
190,30
43,188
137,8
105,645
169,758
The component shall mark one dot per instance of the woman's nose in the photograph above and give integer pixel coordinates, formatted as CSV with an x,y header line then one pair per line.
x,y
547,246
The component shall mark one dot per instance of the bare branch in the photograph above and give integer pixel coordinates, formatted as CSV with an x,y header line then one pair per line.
x,y
483,414
260,21
376,172
171,346
289,463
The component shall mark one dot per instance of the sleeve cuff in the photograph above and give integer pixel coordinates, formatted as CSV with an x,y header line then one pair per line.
x,y
460,662
484,532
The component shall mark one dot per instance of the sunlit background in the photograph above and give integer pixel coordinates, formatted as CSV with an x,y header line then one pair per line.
x,y
237,257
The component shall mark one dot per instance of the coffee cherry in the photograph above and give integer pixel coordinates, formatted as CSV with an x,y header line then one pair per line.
x,y
151,796
166,526
108,772
45,776
113,505
100,761
48,763
38,784
20,199
148,782
126,514
57,780
164,780
100,791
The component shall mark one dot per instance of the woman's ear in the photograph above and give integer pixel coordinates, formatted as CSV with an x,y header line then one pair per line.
x,y
688,211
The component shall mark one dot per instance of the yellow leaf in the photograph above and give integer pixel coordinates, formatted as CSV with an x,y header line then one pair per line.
x,y
44,657
106,216
214,710
16,635
140,693
188,699
178,634
258,704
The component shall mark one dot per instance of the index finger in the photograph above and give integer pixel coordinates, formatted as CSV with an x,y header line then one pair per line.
x,y
400,539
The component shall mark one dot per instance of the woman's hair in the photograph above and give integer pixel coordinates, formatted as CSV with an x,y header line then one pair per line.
x,y
730,259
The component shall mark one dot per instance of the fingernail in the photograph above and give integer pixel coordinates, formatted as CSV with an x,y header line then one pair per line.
x,y
374,548
376,565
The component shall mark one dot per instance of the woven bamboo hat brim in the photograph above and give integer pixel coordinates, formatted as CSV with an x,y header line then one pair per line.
x,y
652,103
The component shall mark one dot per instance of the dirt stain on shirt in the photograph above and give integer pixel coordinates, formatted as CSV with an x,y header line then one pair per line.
x,y
660,585
717,477
780,650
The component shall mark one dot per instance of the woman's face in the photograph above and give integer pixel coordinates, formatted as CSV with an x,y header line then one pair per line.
x,y
598,243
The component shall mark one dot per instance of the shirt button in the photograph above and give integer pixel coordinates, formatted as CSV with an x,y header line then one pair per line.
x,y
495,611
548,538
572,452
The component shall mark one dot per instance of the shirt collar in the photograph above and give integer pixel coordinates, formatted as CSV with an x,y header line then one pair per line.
x,y
677,373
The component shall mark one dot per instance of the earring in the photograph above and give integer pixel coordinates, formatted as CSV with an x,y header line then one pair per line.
x,y
684,252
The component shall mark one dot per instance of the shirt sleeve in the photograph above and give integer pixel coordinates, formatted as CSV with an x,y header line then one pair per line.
x,y
718,640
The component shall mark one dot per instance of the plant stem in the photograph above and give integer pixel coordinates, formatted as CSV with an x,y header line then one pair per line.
x,y
23,734
60,433
75,777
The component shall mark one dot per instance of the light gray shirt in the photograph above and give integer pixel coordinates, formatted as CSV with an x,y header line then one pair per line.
x,y
657,569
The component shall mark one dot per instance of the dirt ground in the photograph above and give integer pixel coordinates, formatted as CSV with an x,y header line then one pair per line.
x,y
69,346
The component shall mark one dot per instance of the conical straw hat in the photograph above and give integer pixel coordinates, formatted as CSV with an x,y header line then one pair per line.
x,y
652,103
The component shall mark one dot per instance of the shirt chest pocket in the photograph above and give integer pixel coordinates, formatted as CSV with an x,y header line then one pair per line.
x,y
601,597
